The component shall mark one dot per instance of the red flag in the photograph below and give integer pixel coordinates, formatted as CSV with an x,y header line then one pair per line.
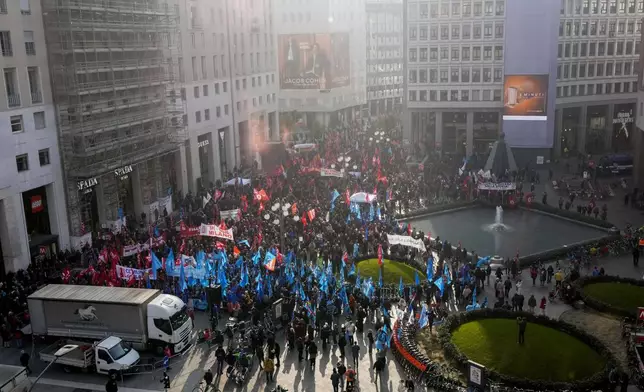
x,y
294,209
311,214
345,257
244,203
380,262
219,245
303,219
409,228
182,247
66,275
223,225
236,251
347,197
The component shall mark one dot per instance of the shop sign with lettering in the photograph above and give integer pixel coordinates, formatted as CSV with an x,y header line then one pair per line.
x,y
86,186
122,172
203,143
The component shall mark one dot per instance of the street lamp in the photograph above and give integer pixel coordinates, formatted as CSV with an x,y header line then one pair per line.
x,y
66,349
279,219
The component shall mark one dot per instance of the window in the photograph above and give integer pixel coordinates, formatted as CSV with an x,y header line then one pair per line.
x,y
16,124
465,95
25,8
244,83
487,53
487,30
498,75
5,43
489,8
456,32
11,87
478,9
477,31
22,162
498,53
206,114
412,33
454,75
197,116
34,84
196,91
500,8
476,75
39,120
413,55
216,88
467,9
204,69
444,53
205,90
466,31
583,49
30,46
225,86
465,75
214,66
195,75
43,157
3,6
444,32
423,54
433,32
465,53
433,54
487,75
476,53
498,30
455,54
412,95
443,74
218,111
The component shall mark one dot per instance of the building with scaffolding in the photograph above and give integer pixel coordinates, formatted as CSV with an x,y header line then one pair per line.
x,y
114,66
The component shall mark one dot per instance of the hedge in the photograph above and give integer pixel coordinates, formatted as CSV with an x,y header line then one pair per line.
x,y
460,360
599,305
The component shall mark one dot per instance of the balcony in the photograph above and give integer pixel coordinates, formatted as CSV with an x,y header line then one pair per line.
x,y
13,100
36,97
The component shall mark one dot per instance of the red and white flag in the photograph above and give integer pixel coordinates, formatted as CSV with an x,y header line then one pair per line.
x,y
380,262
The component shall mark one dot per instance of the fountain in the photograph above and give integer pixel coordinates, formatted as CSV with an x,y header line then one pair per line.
x,y
498,224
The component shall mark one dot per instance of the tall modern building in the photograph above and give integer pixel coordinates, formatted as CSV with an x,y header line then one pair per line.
x,y
468,74
385,36
33,218
230,83
321,48
118,105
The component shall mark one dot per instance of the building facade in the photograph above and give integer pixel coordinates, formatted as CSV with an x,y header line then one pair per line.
x,y
33,217
321,59
119,109
229,73
384,56
455,67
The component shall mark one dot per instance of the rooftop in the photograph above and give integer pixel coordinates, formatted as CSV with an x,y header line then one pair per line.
x,y
122,295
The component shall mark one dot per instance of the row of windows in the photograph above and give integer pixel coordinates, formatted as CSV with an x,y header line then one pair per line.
x,y
456,53
592,49
25,7
610,68
456,75
596,7
425,10
6,45
17,123
596,89
12,86
218,41
204,90
456,31
594,28
257,101
22,160
454,95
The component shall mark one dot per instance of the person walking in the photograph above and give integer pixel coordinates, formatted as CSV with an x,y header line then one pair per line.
x,y
542,305
379,366
165,381
371,341
276,353
532,303
24,361
112,385
342,342
313,352
355,350
208,377
522,323
335,380
259,352
636,255
220,354
341,371
269,368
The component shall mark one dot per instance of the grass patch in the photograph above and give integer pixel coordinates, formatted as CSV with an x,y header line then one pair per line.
x,y
624,296
547,355
392,272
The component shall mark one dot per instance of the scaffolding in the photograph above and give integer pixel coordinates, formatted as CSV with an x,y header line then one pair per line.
x,y
115,71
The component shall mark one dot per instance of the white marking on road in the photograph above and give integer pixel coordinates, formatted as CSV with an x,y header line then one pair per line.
x,y
81,385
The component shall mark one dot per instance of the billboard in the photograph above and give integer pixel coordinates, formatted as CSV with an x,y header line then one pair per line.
x,y
314,61
525,97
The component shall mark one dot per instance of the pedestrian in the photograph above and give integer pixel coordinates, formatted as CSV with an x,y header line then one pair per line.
x,y
168,354
259,352
269,368
300,349
532,303
313,352
165,381
542,306
220,354
522,323
335,380
355,350
112,385
208,377
341,371
24,361
342,342
276,353
379,366
371,340
636,255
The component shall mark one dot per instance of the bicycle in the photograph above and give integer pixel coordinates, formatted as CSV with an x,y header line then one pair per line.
x,y
202,387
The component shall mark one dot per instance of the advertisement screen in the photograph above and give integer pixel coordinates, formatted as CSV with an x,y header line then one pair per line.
x,y
314,61
525,97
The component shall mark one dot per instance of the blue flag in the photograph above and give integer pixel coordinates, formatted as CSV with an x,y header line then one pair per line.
x,y
380,277
439,283
372,213
483,261
447,273
156,264
244,277
401,288
430,268
423,321
417,279
378,213
256,257
169,263
182,279
244,242
352,270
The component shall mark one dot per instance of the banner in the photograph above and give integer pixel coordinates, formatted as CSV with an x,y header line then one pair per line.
x,y
314,61
131,250
187,232
525,97
331,173
406,241
190,269
127,272
231,214
215,231
165,202
497,186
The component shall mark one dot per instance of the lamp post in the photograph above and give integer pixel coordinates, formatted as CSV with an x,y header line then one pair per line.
x,y
280,212
66,349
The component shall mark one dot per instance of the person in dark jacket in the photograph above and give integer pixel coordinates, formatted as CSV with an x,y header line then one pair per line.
x,y
342,342
379,366
24,361
165,381
111,385
208,377
220,354
275,351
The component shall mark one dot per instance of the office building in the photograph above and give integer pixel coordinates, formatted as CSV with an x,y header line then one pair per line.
x,y
384,56
458,54
321,47
33,219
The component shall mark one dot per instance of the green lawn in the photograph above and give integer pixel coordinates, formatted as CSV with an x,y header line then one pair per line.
x,y
392,272
547,354
620,295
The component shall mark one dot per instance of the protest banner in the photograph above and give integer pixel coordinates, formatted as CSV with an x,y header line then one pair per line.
x,y
497,186
331,173
127,272
215,231
405,240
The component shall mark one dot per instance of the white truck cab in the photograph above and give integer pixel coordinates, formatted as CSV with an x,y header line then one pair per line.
x,y
168,321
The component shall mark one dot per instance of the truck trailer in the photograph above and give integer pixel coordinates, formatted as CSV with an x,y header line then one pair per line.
x,y
145,318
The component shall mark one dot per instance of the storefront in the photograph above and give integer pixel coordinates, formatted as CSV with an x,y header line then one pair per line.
x,y
36,210
623,127
597,129
204,147
223,157
454,133
486,131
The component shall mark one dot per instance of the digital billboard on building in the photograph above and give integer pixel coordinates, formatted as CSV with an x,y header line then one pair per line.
x,y
314,61
525,97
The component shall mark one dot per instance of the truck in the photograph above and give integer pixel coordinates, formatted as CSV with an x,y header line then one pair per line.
x,y
14,379
110,355
143,319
